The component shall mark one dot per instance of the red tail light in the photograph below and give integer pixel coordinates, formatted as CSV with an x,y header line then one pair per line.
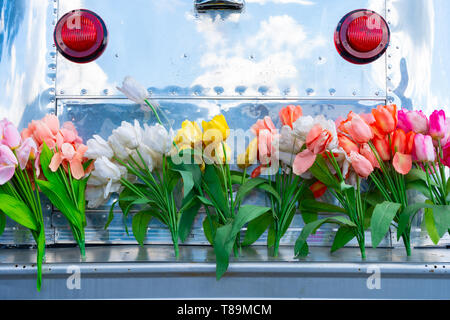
x,y
81,36
362,36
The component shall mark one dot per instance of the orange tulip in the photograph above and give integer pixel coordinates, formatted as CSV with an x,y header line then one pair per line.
x,y
385,119
398,141
382,147
347,144
409,145
290,114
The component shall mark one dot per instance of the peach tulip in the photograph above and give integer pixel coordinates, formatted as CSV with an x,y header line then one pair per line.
x,y
361,165
290,114
367,152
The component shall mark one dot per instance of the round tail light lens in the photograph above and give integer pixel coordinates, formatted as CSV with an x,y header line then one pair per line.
x,y
81,36
362,36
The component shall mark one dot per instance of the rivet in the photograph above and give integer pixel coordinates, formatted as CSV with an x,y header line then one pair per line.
x,y
332,91
61,92
105,91
390,66
83,91
309,91
354,92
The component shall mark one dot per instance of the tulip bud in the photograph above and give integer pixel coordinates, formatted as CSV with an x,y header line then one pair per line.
x,y
424,148
438,126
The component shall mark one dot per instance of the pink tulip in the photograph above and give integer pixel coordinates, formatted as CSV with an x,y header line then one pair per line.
x,y
438,125
446,155
318,139
9,134
262,124
413,121
8,163
367,152
423,148
26,151
359,130
68,155
361,165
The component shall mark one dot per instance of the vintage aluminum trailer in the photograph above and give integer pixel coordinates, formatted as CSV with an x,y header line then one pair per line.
x,y
245,59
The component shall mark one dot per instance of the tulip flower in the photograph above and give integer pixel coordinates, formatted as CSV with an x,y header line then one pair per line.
x,y
97,148
347,144
424,148
398,141
412,121
157,138
129,135
189,135
385,118
26,151
446,155
9,135
358,129
215,130
290,114
318,139
367,152
248,158
8,163
68,155
361,165
133,90
438,125
263,124
382,147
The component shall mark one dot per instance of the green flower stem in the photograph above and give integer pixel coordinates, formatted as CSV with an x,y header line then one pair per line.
x,y
154,111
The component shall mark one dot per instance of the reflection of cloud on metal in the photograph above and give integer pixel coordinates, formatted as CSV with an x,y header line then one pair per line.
x,y
302,2
25,64
266,59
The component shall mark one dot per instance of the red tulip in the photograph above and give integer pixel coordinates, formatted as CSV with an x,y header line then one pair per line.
x,y
318,189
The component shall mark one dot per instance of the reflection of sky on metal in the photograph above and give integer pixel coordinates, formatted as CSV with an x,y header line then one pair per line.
x,y
23,66
420,53
273,48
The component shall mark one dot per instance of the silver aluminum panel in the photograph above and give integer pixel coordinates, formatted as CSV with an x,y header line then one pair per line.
x,y
152,272
272,48
100,116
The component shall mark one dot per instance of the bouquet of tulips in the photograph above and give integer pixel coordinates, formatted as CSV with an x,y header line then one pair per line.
x,y
63,171
216,185
275,151
19,199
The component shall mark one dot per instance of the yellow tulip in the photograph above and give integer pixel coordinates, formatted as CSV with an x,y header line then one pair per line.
x,y
215,130
248,158
190,134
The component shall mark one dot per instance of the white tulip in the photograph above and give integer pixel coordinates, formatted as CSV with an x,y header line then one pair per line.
x,y
126,136
288,142
104,180
98,147
157,138
120,151
133,90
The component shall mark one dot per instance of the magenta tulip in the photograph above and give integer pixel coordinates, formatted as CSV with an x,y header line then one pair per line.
x,y
438,125
446,155
423,148
413,121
